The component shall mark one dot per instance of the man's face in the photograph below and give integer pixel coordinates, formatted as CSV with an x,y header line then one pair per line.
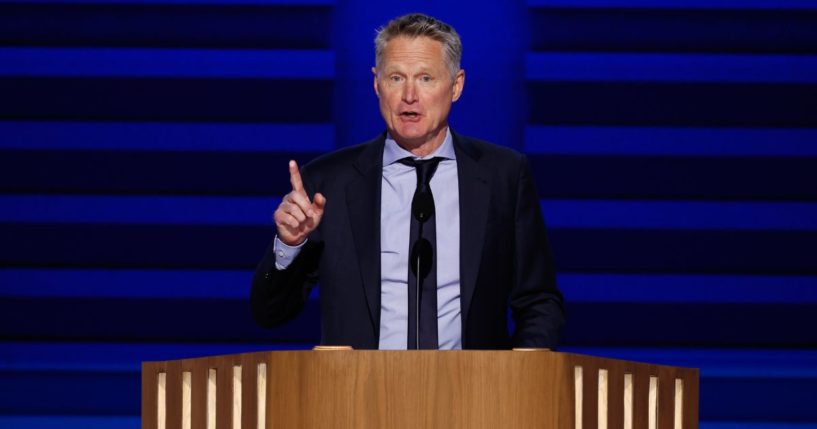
x,y
416,90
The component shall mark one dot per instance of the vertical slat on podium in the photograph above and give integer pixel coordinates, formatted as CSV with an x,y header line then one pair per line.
x,y
666,398
199,368
261,389
212,374
615,396
149,404
641,392
578,397
187,400
224,393
161,400
174,395
603,398
249,395
677,400
237,382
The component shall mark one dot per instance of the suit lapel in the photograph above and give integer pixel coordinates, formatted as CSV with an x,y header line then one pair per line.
x,y
474,199
363,203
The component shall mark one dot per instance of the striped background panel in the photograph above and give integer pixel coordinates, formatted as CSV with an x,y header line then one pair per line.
x,y
143,144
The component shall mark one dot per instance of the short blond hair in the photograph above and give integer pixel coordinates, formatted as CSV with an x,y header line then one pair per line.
x,y
420,25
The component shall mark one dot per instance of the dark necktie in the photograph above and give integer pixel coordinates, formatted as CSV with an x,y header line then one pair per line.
x,y
423,245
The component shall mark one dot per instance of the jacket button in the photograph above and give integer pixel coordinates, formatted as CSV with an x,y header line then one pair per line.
x,y
266,276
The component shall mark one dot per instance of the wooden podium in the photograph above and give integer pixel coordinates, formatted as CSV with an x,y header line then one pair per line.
x,y
416,389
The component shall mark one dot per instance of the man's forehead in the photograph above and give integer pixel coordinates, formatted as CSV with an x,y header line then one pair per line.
x,y
414,51
414,65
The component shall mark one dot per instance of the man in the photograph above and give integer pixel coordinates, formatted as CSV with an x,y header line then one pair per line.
x,y
420,238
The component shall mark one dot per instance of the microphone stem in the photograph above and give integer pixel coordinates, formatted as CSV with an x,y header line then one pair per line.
x,y
418,276
417,311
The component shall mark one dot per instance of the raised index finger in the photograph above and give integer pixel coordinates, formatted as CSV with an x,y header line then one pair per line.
x,y
295,177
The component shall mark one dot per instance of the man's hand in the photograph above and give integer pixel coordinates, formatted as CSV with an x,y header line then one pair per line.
x,y
296,217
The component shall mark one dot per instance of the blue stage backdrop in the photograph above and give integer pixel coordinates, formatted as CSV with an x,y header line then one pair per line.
x,y
143,148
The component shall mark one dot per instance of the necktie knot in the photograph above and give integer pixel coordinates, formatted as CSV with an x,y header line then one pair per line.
x,y
425,170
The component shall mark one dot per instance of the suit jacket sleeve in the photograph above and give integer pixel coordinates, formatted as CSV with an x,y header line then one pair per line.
x,y
277,296
535,301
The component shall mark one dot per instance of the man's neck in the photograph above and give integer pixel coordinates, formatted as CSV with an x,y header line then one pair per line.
x,y
426,147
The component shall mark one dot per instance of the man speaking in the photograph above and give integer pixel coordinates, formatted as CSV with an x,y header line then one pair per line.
x,y
421,238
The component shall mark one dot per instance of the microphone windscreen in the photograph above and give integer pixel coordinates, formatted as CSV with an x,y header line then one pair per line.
x,y
422,206
421,249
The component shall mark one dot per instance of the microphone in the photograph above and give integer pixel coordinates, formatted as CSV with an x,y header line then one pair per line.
x,y
422,253
422,206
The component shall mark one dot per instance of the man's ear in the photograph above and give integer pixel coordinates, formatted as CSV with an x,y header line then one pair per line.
x,y
376,89
459,83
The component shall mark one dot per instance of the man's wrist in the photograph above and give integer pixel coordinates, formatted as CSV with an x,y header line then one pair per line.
x,y
292,245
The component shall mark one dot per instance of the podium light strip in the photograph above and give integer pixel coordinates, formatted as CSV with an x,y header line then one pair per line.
x,y
187,401
628,401
652,416
161,395
679,404
577,388
211,398
261,383
237,397
602,400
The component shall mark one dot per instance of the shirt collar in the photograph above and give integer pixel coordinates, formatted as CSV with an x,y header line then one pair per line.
x,y
393,152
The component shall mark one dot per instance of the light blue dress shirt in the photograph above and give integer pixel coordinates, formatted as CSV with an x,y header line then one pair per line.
x,y
398,184
397,191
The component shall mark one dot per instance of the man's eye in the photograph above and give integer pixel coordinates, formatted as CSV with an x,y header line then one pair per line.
x,y
395,78
426,78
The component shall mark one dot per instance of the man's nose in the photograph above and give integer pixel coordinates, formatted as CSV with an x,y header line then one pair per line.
x,y
409,92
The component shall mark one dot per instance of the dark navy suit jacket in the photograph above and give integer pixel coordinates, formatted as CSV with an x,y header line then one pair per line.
x,y
505,260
